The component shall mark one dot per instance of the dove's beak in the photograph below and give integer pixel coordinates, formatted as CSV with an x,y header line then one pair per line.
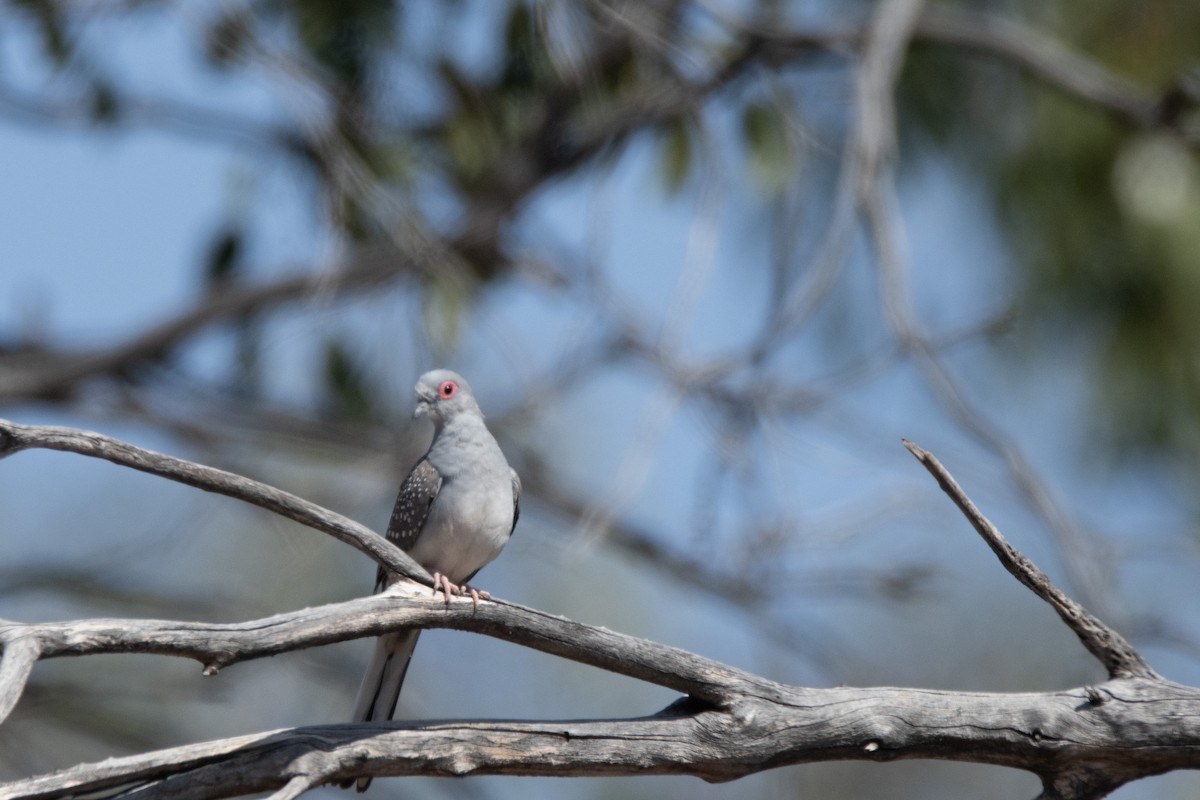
x,y
424,404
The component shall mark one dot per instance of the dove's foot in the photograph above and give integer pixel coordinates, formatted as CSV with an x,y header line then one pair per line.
x,y
447,587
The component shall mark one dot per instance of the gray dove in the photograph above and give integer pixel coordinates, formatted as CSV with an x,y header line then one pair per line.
x,y
456,510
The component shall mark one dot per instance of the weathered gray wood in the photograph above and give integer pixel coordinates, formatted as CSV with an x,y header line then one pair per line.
x,y
1081,739
1111,648
218,645
735,723
15,437
1083,742
18,653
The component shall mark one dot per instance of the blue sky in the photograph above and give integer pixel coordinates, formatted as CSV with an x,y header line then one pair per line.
x,y
101,233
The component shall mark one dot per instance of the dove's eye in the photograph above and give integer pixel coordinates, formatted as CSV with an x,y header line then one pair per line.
x,y
448,389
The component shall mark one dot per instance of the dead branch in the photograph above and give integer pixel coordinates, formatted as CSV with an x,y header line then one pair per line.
x,y
1113,651
734,724
1040,56
15,437
1083,742
219,645
1046,733
25,376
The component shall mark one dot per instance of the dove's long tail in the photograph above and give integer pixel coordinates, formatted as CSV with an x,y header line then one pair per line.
x,y
381,684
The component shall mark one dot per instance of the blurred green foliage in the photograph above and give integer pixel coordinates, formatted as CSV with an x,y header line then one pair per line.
x,y
348,388
1103,219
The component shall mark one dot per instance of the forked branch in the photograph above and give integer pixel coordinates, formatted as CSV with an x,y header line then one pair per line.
x,y
1082,743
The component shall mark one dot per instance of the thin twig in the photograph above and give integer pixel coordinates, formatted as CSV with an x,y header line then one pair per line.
x,y
876,203
163,113
24,377
1112,650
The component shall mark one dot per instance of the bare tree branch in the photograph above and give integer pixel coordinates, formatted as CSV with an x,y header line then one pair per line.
x,y
18,653
1082,743
50,374
26,376
1088,569
1113,651
870,157
162,114
887,38
15,437
1042,57
1048,60
737,723
218,645
1068,737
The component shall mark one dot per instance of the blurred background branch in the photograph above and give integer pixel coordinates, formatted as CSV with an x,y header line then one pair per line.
x,y
705,263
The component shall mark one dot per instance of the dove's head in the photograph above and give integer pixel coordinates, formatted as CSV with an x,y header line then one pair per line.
x,y
442,395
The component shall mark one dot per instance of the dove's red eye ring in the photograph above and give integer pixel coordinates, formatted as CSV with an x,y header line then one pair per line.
x,y
447,390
